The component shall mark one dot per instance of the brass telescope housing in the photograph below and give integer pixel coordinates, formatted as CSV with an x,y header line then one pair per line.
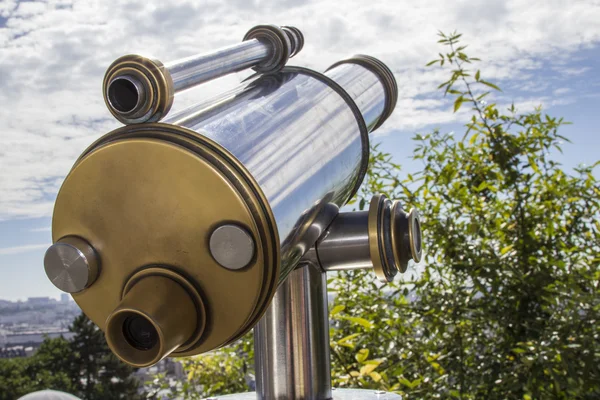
x,y
174,236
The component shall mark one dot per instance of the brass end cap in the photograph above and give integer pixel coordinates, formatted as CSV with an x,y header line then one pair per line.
x,y
158,221
278,40
394,237
138,89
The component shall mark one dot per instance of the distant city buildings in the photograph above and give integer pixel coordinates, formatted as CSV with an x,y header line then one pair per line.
x,y
25,324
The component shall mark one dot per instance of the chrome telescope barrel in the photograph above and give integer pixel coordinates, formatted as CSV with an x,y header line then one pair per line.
x,y
215,206
303,138
138,89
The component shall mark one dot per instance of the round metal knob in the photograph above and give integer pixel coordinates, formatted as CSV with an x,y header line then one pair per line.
x,y
71,264
232,246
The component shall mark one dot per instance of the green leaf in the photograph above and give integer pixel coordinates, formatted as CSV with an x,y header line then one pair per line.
x,y
506,249
337,309
486,83
362,355
473,139
348,338
367,369
533,165
477,75
375,376
410,384
359,321
458,102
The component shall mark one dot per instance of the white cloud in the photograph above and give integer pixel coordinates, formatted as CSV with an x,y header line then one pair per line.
x,y
53,55
41,229
22,249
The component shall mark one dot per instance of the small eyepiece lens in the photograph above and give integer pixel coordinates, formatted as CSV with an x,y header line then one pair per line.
x,y
417,238
140,333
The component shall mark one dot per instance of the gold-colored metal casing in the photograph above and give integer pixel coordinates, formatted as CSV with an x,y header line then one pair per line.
x,y
177,321
376,236
150,195
156,81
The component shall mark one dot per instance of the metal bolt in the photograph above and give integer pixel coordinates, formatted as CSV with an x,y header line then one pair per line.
x,y
232,246
71,264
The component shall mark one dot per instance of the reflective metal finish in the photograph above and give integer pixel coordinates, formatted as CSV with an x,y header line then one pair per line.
x,y
364,87
345,245
232,246
194,70
301,138
139,89
338,394
291,341
71,264
384,238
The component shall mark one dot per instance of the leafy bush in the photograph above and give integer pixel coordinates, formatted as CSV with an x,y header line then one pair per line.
x,y
507,303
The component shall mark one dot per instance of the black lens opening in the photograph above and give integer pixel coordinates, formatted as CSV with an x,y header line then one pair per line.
x,y
123,95
417,237
140,333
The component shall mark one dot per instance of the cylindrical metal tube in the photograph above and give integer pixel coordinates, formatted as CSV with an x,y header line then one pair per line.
x,y
138,89
384,238
345,245
291,341
201,68
144,329
371,85
301,137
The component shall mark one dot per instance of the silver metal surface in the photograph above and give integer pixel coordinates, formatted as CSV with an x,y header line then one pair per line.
x,y
345,245
138,89
301,138
338,394
194,70
291,341
364,87
71,264
232,246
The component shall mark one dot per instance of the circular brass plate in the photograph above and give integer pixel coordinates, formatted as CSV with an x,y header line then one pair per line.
x,y
143,202
244,182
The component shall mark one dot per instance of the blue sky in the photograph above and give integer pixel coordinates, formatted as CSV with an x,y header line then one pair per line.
x,y
53,55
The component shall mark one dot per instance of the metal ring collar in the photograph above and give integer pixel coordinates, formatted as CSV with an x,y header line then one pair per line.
x,y
386,77
281,47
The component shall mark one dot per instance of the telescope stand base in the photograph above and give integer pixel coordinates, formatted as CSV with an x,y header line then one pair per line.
x,y
338,394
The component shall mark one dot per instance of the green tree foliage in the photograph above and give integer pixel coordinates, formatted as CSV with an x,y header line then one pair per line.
x,y
223,371
507,303
83,366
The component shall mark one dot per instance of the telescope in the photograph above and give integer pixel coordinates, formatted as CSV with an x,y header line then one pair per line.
x,y
178,237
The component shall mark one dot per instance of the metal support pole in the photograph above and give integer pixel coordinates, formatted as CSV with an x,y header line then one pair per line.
x,y
291,341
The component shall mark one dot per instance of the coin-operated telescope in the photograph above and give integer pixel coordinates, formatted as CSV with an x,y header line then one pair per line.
x,y
178,237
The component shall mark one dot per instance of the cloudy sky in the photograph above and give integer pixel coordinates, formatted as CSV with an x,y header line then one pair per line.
x,y
53,55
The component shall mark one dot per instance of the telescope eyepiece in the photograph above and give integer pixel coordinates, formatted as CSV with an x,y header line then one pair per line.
x,y
144,328
139,332
124,94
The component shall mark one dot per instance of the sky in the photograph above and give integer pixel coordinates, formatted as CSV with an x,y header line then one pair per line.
x,y
53,55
